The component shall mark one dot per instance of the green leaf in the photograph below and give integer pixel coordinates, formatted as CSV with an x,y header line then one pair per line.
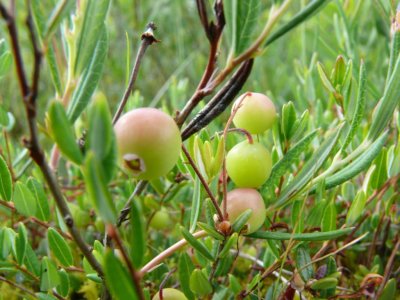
x,y
211,231
325,79
389,292
49,277
21,241
303,263
45,296
60,11
54,69
324,283
98,190
196,244
185,268
313,236
137,235
339,71
5,63
329,218
386,105
241,220
316,212
210,212
310,9
117,278
62,132
59,247
196,204
89,79
234,285
31,260
7,238
24,201
63,287
43,209
100,138
358,165
199,283
297,220
359,110
356,208
380,174
92,28
245,15
5,181
228,245
285,164
288,120
309,169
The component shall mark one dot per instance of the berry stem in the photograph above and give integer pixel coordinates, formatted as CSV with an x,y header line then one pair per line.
x,y
204,183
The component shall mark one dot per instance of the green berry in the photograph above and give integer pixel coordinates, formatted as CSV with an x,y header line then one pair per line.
x,y
255,112
149,142
160,220
170,294
248,165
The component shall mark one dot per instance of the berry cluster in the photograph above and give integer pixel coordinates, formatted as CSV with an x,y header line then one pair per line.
x,y
249,163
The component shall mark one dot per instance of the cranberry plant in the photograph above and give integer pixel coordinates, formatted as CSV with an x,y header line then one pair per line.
x,y
265,166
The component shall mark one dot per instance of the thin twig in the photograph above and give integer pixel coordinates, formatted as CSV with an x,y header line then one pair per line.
x,y
21,287
168,252
204,183
389,266
147,39
125,211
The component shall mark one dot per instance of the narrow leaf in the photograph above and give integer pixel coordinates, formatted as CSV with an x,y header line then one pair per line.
x,y
49,277
5,181
311,8
308,170
356,208
303,263
89,79
43,209
117,278
358,165
196,244
21,241
137,235
24,201
311,237
196,206
285,164
185,268
211,231
241,220
98,189
359,110
59,247
63,133
329,218
93,24
63,287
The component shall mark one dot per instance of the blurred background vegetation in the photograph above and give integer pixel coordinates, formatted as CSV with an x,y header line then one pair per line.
x,y
172,68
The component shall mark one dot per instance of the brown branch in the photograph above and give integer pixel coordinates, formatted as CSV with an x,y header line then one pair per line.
x,y
213,33
21,287
389,266
147,39
29,95
204,183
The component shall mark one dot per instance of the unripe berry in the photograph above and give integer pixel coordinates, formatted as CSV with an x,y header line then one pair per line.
x,y
149,142
160,220
170,294
248,165
239,200
255,112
